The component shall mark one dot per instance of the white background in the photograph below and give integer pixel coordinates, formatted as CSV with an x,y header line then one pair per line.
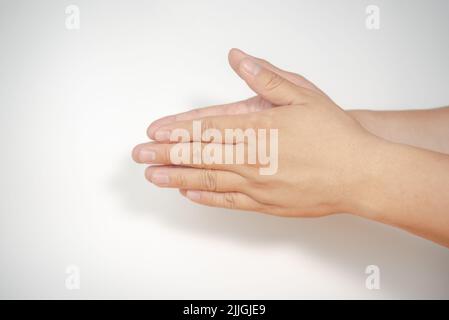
x,y
74,103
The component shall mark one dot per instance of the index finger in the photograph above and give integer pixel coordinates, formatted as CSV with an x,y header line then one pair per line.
x,y
253,104
219,129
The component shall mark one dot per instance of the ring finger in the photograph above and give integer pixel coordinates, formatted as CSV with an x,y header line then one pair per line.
x,y
196,179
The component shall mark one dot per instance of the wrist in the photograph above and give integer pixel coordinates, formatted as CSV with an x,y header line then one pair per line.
x,y
365,194
372,121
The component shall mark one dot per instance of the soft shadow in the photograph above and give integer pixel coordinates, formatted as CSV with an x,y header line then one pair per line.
x,y
347,243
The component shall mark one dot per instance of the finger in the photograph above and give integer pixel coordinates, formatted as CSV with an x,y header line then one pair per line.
x,y
219,129
232,157
235,56
253,104
197,179
270,85
229,200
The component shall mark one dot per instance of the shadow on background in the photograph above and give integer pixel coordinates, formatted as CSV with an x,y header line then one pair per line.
x,y
348,243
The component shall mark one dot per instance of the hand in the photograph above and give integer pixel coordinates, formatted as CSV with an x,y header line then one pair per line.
x,y
323,152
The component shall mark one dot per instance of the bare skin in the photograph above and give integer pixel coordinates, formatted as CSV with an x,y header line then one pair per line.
x,y
390,167
427,129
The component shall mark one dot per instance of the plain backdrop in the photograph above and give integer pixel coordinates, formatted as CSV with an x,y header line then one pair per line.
x,y
73,103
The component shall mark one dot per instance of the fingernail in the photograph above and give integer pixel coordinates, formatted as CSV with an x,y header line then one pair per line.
x,y
250,67
163,135
240,54
160,178
146,155
193,195
238,49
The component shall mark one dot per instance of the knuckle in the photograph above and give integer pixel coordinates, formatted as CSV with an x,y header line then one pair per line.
x,y
258,182
167,154
274,81
181,180
229,200
209,180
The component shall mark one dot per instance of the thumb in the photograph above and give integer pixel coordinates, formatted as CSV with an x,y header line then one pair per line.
x,y
236,55
270,85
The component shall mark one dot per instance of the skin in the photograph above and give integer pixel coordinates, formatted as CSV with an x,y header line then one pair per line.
x,y
427,129
375,165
